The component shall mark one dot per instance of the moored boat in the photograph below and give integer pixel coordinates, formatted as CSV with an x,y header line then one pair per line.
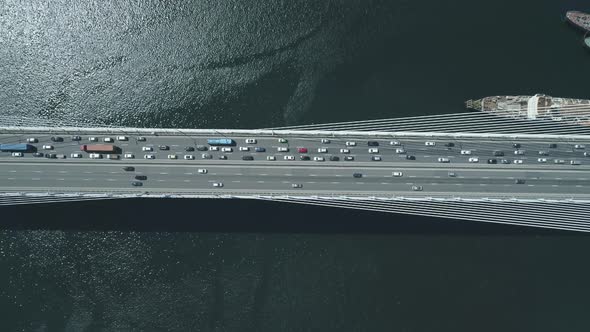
x,y
578,19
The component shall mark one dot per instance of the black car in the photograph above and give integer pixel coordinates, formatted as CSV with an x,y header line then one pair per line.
x,y
57,139
492,161
38,154
164,147
373,143
223,157
247,158
304,157
76,138
357,175
334,158
519,181
141,177
498,153
137,184
129,168
411,157
516,146
189,148
552,146
349,158
449,145
51,155
141,139
201,148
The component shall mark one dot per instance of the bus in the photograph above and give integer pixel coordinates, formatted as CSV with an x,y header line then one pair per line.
x,y
221,141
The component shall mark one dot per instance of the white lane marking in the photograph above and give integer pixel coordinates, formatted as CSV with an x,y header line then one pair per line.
x,y
334,182
38,171
237,181
288,174
62,172
483,184
260,181
506,185
485,177
163,173
36,179
339,175
87,179
113,172
557,178
87,172
359,182
437,176
213,173
554,185
12,171
263,174
531,185
310,182
458,184
111,180
238,174
434,184
188,173
313,175
460,177
187,180
381,182
11,179
160,180
511,177
411,176
582,179
578,186
285,181
61,179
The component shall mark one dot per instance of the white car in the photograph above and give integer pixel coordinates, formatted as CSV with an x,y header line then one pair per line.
x,y
149,156
244,148
189,157
575,162
95,156
202,171
250,141
473,160
318,158
395,143
373,150
108,140
113,156
325,140
122,138
518,161
350,143
322,150
430,143
17,154
128,156
444,160
344,151
76,155
172,156
376,158
579,146
586,154
213,148
47,147
147,148
559,161
465,151
282,140
32,140
519,152
271,158
217,184
399,151
397,174
282,149
542,160
227,150
92,139
289,158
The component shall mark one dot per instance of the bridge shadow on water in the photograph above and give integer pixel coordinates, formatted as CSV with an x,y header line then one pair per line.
x,y
239,216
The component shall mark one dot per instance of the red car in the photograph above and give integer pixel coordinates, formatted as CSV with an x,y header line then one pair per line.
x,y
302,150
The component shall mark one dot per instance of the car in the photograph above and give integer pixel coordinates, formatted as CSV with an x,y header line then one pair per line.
x,y
395,143
450,145
61,156
217,184
141,139
108,140
518,161
586,154
172,156
129,168
498,153
417,188
575,162
505,161
147,148
350,143
519,152
579,146
271,158
444,160
149,156
122,138
516,145
202,148
189,157
408,157
222,157
473,160
465,152
141,177
47,147
397,174
76,155
357,175
213,148
164,147
189,148
542,160
543,153
57,139
95,156
76,138
250,141
136,183
93,139
492,161
128,155
38,154
519,181
559,161
334,158
373,150
318,159
202,171
344,151
244,148
376,158
282,149
325,141
206,156
400,151
113,156
283,140
247,158
32,140
296,185
304,157
348,158
289,158
452,174
373,143
227,149
552,146
259,149
322,150
17,154
430,143
53,155
302,150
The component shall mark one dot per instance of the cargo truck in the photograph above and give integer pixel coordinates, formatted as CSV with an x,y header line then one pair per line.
x,y
103,148
15,147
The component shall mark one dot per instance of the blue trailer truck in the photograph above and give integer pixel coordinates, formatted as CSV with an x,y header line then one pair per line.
x,y
15,147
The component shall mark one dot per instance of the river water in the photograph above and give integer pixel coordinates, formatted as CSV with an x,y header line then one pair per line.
x,y
212,265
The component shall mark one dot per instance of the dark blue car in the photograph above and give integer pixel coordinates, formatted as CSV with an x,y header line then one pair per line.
x,y
259,149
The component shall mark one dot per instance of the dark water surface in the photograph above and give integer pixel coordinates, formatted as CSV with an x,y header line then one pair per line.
x,y
212,265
